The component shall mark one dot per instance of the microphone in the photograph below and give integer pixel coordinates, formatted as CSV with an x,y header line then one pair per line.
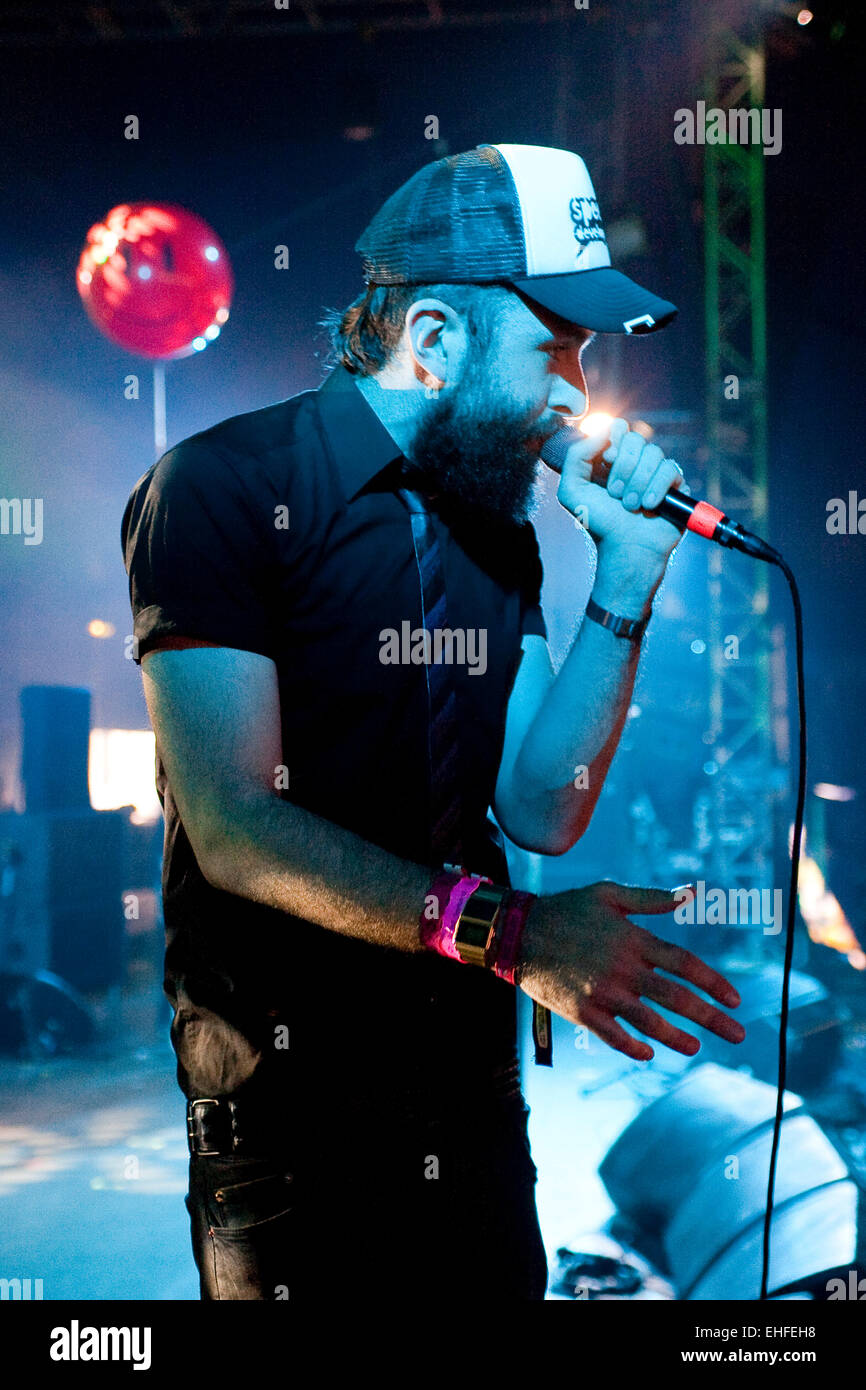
x,y
682,511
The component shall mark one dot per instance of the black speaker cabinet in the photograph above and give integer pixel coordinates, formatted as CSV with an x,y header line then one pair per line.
x,y
55,747
62,903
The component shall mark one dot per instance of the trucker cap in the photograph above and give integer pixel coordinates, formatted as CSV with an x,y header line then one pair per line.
x,y
523,214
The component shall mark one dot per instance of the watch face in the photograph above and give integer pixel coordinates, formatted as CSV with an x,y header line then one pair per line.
x,y
475,927
477,936
482,907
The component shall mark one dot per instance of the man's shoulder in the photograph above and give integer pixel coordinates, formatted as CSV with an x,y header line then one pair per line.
x,y
270,432
250,461
254,448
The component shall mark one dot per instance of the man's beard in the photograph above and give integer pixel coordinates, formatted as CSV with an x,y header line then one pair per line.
x,y
473,449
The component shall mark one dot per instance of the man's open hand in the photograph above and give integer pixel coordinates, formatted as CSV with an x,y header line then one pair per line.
x,y
584,959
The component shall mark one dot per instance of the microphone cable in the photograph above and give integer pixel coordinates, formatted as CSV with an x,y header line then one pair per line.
x,y
776,559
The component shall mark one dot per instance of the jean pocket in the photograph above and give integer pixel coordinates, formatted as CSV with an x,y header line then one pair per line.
x,y
244,1204
254,1262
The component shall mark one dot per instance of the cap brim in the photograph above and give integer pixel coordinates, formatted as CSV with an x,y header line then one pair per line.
x,y
603,300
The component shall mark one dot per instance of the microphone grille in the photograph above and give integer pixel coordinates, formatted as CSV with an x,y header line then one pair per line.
x,y
557,446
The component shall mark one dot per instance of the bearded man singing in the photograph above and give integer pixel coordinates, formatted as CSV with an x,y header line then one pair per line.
x,y
343,946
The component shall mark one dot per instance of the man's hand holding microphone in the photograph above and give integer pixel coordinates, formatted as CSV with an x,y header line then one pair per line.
x,y
581,956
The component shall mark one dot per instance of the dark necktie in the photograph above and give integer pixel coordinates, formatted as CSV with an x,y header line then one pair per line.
x,y
443,748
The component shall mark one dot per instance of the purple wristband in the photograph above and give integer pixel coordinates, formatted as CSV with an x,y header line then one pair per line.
x,y
452,895
515,910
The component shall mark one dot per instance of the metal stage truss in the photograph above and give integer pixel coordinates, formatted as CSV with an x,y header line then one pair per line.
x,y
746,777
83,22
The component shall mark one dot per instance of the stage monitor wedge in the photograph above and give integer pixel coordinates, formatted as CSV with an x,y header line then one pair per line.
x,y
653,1166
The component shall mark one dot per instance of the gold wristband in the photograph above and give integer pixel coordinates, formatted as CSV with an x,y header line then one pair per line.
x,y
476,926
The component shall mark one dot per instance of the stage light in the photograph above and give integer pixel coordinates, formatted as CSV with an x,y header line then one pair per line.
x,y
699,646
823,914
212,332
98,628
155,278
120,772
103,246
596,423
199,344
805,17
828,791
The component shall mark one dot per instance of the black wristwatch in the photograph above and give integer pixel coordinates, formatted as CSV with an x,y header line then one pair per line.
x,y
633,628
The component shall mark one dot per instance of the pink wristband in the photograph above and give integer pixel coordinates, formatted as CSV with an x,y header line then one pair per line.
x,y
515,910
451,895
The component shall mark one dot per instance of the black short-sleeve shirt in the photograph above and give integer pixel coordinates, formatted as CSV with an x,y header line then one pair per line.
x,y
280,532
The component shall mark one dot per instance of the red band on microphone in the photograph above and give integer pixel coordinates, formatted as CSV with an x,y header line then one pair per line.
x,y
704,519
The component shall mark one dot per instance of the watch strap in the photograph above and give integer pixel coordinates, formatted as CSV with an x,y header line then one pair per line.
x,y
632,628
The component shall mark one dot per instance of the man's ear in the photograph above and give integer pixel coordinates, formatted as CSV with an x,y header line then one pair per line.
x,y
436,341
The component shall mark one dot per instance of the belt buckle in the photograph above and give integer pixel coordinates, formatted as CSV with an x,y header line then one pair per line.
x,y
191,1130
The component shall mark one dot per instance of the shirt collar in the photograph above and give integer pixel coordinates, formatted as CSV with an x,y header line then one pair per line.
x,y
359,442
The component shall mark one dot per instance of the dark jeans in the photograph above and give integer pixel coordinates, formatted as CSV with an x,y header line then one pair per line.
x,y
375,1210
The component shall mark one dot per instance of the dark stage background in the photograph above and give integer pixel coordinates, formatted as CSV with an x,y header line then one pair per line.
x,y
291,127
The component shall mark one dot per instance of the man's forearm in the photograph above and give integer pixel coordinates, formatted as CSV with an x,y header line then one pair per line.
x,y
287,858
580,721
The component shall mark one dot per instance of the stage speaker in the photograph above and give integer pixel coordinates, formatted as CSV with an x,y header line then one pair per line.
x,y
651,1168
55,747
25,922
729,1195
691,1172
816,1237
61,907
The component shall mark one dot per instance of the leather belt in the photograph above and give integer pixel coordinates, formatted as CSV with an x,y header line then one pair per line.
x,y
224,1126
